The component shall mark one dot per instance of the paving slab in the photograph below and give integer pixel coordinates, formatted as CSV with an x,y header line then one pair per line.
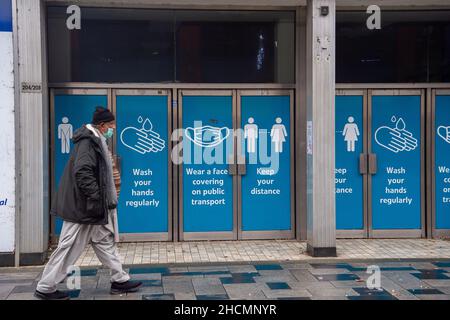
x,y
241,268
343,292
433,297
406,297
208,268
22,296
445,290
19,276
18,282
246,291
275,278
158,297
177,286
178,269
25,289
329,298
349,284
437,283
5,291
185,296
146,290
114,297
303,275
422,265
89,283
296,265
405,280
208,286
329,271
275,294
395,289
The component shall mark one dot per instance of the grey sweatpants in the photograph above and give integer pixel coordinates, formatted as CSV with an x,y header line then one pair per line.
x,y
73,240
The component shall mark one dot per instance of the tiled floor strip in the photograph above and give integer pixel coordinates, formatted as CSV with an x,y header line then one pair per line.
x,y
271,250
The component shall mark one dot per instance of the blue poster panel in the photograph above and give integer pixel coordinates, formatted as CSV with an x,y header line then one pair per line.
x,y
142,147
348,180
442,161
207,147
5,16
396,187
266,186
71,112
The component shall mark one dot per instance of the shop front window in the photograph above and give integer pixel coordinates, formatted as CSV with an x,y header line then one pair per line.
x,y
411,46
139,45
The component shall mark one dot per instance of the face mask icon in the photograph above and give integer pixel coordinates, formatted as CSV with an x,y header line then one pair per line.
x,y
207,136
444,133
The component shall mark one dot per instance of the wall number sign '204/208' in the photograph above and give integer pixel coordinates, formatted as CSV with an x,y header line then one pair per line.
x,y
29,87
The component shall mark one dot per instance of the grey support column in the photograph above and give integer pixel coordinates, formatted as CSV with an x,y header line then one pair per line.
x,y
320,93
33,132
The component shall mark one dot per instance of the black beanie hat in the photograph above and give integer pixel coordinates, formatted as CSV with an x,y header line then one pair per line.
x,y
102,114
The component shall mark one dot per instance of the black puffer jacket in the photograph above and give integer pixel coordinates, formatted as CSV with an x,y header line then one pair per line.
x,y
81,195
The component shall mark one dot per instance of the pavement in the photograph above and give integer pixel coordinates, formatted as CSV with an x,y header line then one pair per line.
x,y
399,280
409,269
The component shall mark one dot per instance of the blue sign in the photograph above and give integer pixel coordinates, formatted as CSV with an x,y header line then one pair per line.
x,y
266,186
5,16
396,187
348,180
142,145
71,112
442,161
207,145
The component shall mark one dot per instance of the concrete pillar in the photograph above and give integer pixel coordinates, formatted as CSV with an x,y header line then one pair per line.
x,y
7,125
33,132
320,93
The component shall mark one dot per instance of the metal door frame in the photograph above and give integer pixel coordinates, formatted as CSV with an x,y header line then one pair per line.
x,y
75,92
398,233
359,233
214,235
436,233
269,234
151,236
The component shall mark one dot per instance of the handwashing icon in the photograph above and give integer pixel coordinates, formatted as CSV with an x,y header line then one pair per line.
x,y
396,139
143,140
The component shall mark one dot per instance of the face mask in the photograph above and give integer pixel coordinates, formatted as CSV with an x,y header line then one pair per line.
x,y
444,133
207,136
108,134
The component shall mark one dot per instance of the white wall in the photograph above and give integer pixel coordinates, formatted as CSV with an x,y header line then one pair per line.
x,y
7,150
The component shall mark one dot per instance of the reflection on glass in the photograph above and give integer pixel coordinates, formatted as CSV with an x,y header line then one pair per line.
x,y
235,46
260,55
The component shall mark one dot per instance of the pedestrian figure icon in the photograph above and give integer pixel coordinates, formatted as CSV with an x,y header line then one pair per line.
x,y
65,133
251,134
351,134
278,135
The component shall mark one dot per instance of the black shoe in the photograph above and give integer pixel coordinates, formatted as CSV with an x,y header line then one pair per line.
x,y
124,287
57,295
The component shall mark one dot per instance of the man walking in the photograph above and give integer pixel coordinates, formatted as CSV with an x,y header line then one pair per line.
x,y
86,200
